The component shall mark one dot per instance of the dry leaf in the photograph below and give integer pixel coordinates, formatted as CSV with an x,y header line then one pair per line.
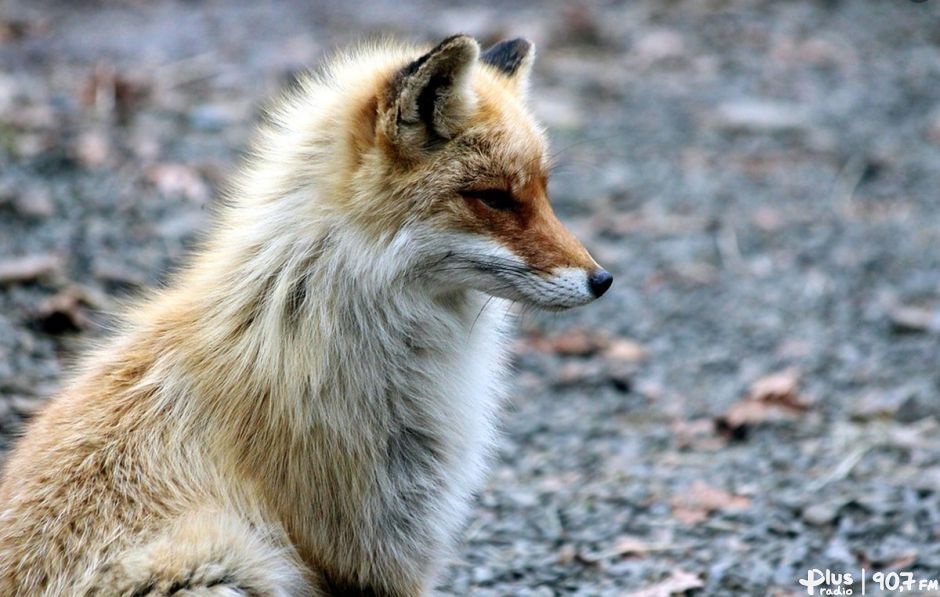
x,y
689,516
679,581
780,387
770,398
578,342
751,412
577,372
110,93
901,561
630,545
696,433
703,499
624,350
573,342
624,545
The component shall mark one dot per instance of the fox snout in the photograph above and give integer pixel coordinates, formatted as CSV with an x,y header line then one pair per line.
x,y
599,282
563,272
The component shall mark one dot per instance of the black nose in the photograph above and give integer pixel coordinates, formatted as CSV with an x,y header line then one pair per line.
x,y
600,281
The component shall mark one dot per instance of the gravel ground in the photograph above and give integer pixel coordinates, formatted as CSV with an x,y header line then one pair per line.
x,y
757,395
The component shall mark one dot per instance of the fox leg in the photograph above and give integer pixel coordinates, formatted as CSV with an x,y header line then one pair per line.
x,y
208,553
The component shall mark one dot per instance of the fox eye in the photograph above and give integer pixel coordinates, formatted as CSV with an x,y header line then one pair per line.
x,y
499,199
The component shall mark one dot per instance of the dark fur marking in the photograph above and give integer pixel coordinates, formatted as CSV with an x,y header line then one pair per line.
x,y
256,305
508,55
427,103
145,589
338,587
299,292
232,583
296,300
412,466
178,586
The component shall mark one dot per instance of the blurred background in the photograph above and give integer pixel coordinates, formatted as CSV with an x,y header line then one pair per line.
x,y
757,395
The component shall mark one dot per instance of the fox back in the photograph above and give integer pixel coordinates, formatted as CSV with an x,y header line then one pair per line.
x,y
308,406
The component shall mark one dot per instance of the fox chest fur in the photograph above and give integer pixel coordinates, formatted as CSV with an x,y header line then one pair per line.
x,y
400,421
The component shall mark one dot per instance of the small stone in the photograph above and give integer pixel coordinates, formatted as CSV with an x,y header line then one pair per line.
x,y
93,149
25,406
210,117
820,513
914,409
34,203
914,320
28,268
933,127
659,45
482,575
760,116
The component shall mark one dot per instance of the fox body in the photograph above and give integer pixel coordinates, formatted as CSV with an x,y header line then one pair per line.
x,y
308,406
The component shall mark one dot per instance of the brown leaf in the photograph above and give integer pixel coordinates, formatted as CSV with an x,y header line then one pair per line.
x,y
111,93
573,342
689,516
770,398
778,387
578,372
578,342
901,561
696,433
29,267
703,499
624,545
624,350
679,581
627,545
748,413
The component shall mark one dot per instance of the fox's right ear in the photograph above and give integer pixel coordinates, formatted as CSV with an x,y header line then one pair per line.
x,y
428,101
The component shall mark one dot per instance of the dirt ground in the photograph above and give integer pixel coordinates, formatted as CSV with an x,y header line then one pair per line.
x,y
757,395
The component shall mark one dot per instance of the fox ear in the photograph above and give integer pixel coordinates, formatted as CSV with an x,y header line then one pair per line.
x,y
429,100
513,58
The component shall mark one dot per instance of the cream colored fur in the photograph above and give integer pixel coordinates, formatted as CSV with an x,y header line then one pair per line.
x,y
308,407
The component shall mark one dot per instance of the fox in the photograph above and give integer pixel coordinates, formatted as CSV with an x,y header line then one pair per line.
x,y
309,405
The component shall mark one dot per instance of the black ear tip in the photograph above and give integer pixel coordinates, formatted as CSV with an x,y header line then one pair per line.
x,y
461,40
508,55
521,44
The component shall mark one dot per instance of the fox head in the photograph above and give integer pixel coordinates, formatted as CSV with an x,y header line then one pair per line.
x,y
450,154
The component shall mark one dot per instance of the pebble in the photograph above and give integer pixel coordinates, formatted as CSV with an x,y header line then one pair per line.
x,y
761,117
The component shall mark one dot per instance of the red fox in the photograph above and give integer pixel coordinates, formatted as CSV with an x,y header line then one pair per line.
x,y
308,407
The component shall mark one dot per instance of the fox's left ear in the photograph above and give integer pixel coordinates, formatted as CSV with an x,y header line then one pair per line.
x,y
429,100
513,58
